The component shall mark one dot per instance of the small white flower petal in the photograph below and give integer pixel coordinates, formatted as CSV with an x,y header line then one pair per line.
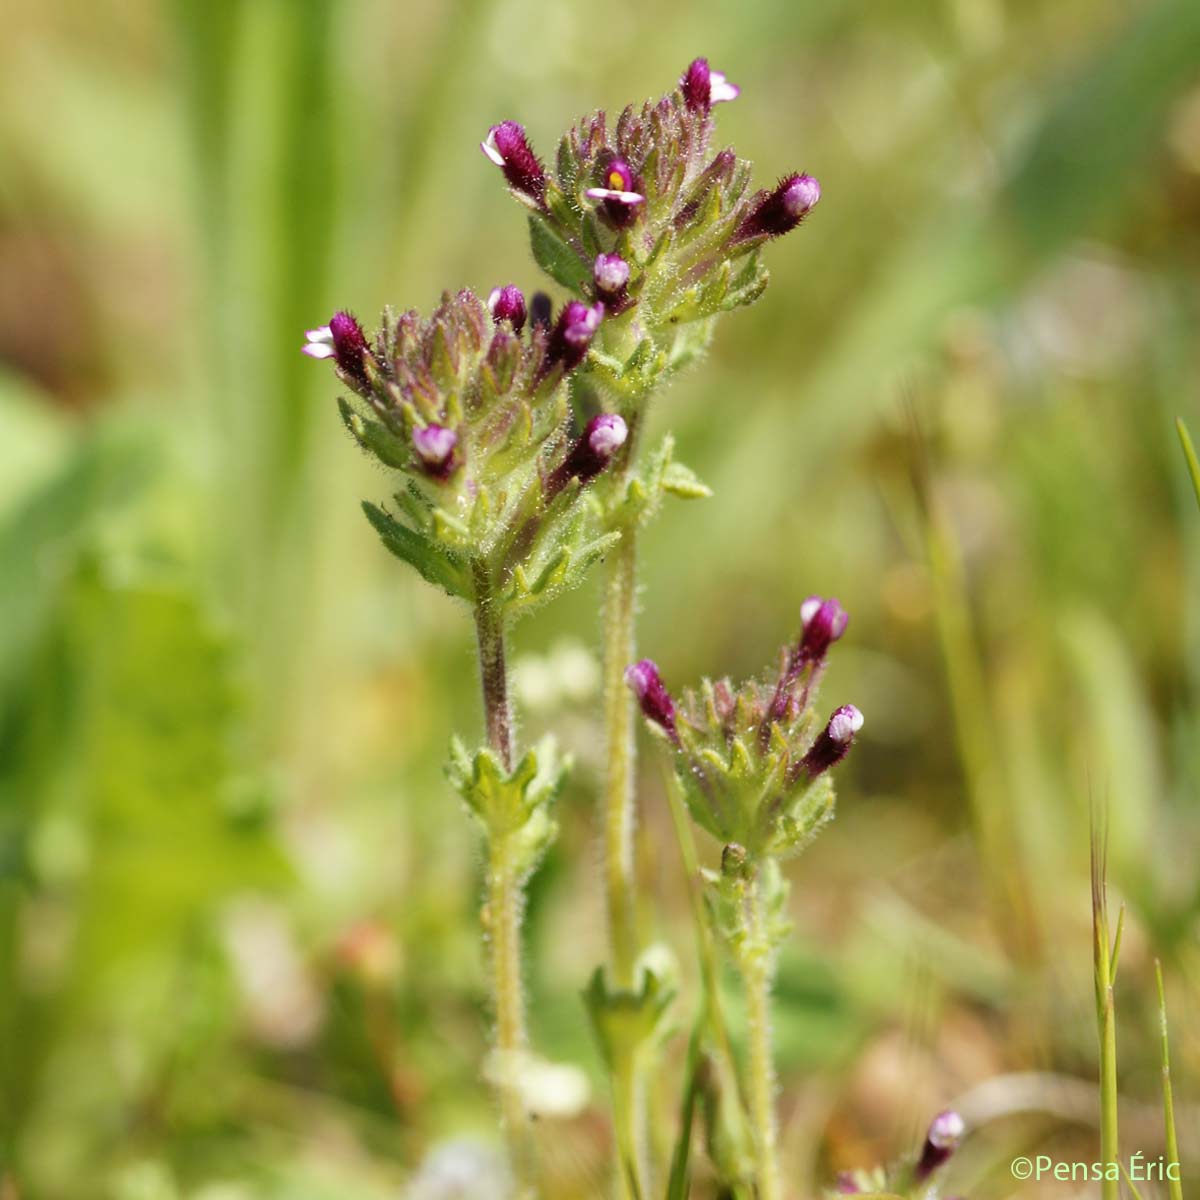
x,y
488,146
613,194
809,608
321,334
723,91
317,350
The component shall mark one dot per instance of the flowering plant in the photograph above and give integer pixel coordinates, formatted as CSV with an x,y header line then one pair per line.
x,y
513,432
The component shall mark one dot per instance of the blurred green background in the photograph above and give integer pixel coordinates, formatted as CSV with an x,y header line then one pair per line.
x,y
237,901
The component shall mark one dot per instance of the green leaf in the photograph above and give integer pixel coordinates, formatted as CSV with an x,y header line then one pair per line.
x,y
555,256
158,710
374,437
433,562
681,481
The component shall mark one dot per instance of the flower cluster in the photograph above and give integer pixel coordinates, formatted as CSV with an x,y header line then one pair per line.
x,y
469,405
642,216
752,760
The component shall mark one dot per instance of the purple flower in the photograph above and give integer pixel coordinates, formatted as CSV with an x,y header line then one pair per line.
x,y
833,742
703,87
657,706
619,198
610,274
946,1131
435,446
590,454
822,622
572,335
847,1185
507,303
343,341
779,211
508,147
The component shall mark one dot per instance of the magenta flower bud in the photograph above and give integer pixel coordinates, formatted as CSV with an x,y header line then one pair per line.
x,y
823,622
847,1185
776,213
541,309
657,706
604,436
703,87
435,446
508,147
946,1131
833,742
342,340
610,273
572,334
507,303
619,198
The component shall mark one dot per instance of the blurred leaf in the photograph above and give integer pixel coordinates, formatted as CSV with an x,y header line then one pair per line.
x,y
1189,453
1082,165
41,537
155,764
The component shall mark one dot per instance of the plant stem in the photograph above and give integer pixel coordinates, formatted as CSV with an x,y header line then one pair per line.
x,y
505,902
619,808
489,631
503,927
620,816
757,969
628,1125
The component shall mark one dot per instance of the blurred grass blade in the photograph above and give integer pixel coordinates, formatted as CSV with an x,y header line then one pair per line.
x,y
1106,1020
1174,1186
677,1187
1189,452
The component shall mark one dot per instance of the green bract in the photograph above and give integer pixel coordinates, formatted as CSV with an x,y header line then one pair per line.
x,y
513,805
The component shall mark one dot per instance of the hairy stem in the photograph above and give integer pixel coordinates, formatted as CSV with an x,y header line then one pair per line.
x,y
489,631
619,807
757,969
504,903
503,928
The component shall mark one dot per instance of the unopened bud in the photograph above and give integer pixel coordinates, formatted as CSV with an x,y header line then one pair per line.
x,y
779,211
946,1131
833,742
508,147
507,303
435,446
656,704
